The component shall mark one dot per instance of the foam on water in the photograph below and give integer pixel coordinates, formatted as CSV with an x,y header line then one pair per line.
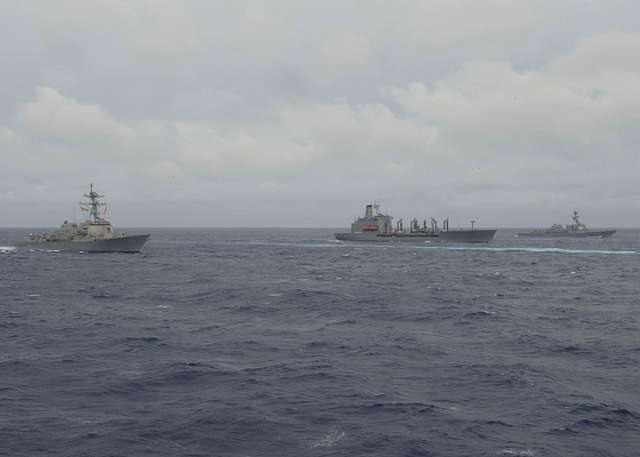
x,y
441,247
517,452
7,249
530,249
329,440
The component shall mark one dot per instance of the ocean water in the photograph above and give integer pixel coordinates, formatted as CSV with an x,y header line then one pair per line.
x,y
285,342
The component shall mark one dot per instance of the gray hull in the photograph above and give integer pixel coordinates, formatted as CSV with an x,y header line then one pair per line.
x,y
452,236
381,238
583,234
468,236
121,244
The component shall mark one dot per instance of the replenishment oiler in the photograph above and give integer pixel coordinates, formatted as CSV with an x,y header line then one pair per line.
x,y
376,226
93,235
575,230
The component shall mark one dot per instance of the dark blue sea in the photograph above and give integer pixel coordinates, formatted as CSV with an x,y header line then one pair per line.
x,y
284,342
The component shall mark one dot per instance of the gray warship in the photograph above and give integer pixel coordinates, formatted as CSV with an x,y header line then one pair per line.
x,y
94,235
575,230
376,226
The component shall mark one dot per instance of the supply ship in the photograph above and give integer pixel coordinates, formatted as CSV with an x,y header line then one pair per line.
x,y
376,226
575,230
94,235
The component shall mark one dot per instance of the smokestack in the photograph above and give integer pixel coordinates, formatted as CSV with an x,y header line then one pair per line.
x,y
368,212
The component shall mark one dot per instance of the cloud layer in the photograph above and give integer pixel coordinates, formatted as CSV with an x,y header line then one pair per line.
x,y
299,114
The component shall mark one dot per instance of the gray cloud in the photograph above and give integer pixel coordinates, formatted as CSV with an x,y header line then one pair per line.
x,y
297,113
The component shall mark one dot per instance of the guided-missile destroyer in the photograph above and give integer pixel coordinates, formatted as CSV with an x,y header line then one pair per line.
x,y
575,230
378,227
93,235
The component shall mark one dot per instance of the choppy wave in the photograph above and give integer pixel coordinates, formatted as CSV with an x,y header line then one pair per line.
x,y
295,345
7,249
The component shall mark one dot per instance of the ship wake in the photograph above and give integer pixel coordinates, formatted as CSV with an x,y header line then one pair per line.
x,y
530,249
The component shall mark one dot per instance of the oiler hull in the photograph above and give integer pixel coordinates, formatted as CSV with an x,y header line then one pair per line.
x,y
583,234
386,237
451,236
129,244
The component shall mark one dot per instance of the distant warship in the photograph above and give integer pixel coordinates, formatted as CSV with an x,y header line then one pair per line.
x,y
93,235
378,227
575,230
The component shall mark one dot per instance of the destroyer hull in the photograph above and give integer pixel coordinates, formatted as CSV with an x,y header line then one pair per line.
x,y
584,234
468,236
121,244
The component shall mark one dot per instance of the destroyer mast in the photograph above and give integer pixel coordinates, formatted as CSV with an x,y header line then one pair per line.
x,y
93,206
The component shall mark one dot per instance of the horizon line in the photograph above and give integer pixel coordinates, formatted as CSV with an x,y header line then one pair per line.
x,y
244,227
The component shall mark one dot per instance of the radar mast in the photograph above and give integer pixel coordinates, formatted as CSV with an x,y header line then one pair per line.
x,y
576,219
93,206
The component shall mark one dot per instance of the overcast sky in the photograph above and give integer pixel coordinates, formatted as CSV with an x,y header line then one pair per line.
x,y
296,113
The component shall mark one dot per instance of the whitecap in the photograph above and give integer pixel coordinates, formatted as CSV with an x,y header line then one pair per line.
x,y
517,452
7,249
328,440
